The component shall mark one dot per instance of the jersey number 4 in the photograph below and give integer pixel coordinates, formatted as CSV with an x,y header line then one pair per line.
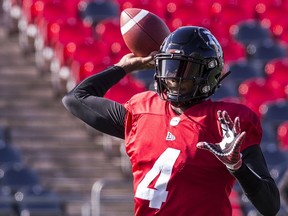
x,y
163,166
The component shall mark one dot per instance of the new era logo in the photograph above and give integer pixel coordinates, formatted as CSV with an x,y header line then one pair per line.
x,y
170,136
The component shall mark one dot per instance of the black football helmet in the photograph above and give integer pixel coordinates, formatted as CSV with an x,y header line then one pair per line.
x,y
189,53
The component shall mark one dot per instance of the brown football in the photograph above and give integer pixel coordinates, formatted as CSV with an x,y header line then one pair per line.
x,y
142,31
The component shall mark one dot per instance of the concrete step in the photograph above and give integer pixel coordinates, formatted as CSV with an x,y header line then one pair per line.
x,y
68,156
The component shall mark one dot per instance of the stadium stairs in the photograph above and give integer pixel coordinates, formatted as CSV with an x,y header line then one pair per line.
x,y
52,142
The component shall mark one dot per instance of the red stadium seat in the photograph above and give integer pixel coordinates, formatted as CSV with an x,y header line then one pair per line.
x,y
67,34
90,57
236,204
31,10
64,47
282,135
255,92
125,89
179,14
273,18
109,32
54,14
276,65
277,76
233,50
282,36
128,4
228,14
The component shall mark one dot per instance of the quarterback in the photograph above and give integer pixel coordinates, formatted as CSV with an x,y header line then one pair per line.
x,y
186,150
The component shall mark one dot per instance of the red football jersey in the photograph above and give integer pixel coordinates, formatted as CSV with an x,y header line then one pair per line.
x,y
171,176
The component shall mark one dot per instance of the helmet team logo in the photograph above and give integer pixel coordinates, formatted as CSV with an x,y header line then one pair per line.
x,y
170,136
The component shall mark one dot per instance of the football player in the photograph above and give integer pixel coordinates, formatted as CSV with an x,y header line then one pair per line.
x,y
186,150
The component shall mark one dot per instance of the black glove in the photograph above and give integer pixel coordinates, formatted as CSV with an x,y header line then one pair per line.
x,y
228,150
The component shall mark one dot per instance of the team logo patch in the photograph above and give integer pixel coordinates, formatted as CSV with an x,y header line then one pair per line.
x,y
170,136
175,121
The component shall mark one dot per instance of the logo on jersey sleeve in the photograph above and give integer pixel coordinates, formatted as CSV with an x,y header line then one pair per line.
x,y
170,136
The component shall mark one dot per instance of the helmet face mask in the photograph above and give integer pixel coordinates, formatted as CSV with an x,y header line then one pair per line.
x,y
188,56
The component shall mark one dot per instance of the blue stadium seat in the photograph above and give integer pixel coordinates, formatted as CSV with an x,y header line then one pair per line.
x,y
96,11
8,154
7,204
250,31
16,176
273,114
5,134
37,201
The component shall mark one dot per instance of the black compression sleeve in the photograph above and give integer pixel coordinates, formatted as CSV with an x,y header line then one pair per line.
x,y
86,102
256,182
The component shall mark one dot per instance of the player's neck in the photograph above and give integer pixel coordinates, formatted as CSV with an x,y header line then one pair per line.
x,y
178,110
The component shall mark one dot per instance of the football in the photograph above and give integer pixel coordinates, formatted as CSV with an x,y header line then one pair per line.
x,y
143,32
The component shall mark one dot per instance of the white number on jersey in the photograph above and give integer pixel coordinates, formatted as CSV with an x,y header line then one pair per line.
x,y
164,166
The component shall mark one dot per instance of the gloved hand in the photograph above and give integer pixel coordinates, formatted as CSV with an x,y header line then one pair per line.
x,y
228,150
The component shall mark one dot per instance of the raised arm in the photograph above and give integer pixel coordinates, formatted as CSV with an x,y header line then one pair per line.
x,y
86,100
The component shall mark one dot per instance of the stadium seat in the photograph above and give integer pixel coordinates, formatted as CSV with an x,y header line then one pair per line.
x,y
255,93
277,75
10,14
7,204
224,91
187,14
275,65
235,203
272,17
109,32
31,10
17,176
282,135
93,12
9,154
147,77
158,7
250,31
241,70
64,49
53,14
275,157
273,114
125,89
90,57
282,35
233,50
129,4
5,134
37,201
266,51
229,13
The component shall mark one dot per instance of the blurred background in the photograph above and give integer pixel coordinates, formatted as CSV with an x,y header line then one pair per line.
x,y
51,164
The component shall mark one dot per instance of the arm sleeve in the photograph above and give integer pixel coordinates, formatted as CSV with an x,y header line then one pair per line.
x,y
86,102
257,183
